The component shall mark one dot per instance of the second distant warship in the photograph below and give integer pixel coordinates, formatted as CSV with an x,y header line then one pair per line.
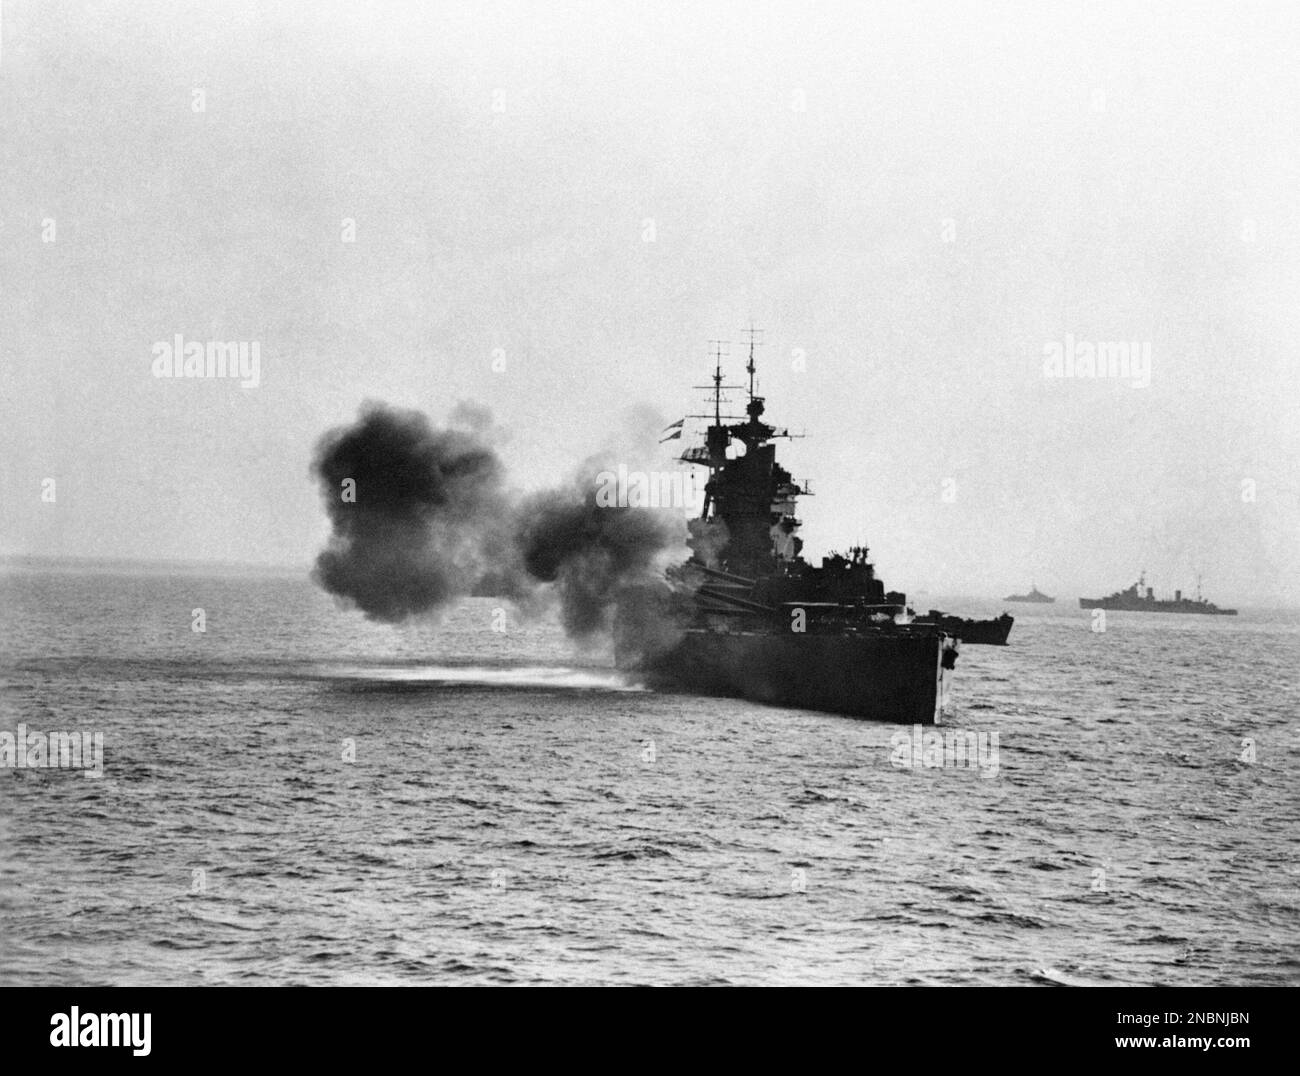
x,y
748,616
1140,598
1034,595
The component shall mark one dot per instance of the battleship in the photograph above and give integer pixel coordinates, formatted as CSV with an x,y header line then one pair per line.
x,y
1034,595
747,616
1140,598
994,632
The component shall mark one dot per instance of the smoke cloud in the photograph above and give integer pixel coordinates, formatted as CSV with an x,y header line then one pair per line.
x,y
422,516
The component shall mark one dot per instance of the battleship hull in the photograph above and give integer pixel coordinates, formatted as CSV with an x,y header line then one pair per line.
x,y
897,676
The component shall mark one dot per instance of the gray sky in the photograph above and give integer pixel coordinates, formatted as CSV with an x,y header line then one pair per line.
x,y
919,198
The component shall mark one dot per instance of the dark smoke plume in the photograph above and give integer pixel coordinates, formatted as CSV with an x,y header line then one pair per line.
x,y
432,519
591,553
409,505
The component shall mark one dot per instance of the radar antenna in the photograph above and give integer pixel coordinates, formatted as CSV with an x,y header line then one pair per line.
x,y
753,335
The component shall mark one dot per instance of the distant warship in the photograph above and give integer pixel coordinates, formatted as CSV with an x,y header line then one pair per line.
x,y
1034,595
1140,598
747,616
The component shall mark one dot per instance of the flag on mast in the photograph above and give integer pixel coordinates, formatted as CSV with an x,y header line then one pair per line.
x,y
676,427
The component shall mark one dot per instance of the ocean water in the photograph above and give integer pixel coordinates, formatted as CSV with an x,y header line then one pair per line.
x,y
298,796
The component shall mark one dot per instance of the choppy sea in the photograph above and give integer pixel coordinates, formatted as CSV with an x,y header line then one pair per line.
x,y
297,796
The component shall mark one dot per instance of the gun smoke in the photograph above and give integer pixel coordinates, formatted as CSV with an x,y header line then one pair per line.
x,y
422,516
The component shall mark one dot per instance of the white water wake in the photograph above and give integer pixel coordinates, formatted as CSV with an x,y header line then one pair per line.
x,y
544,676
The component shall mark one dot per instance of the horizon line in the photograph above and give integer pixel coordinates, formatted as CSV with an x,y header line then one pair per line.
x,y
304,570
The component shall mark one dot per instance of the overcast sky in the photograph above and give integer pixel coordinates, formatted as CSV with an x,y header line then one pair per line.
x,y
915,200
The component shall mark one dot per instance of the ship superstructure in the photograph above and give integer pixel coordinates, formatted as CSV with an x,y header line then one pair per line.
x,y
750,616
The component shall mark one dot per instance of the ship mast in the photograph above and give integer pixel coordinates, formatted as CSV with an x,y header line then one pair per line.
x,y
717,436
752,333
718,345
